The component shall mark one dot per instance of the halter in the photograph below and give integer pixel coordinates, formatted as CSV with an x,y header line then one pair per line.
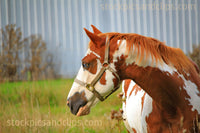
x,y
105,66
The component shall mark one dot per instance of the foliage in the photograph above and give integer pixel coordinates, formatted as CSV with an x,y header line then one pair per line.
x,y
24,59
36,46
11,47
39,63
195,55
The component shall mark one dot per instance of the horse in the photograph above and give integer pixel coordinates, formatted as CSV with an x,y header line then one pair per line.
x,y
167,82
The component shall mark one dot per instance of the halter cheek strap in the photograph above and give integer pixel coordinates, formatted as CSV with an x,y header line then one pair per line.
x,y
105,66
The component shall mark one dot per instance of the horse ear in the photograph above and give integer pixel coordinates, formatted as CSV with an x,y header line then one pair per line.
x,y
98,41
95,30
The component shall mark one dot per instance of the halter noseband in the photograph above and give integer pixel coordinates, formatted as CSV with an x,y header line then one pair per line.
x,y
105,66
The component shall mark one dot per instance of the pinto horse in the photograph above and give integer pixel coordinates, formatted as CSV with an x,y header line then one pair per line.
x,y
140,106
169,100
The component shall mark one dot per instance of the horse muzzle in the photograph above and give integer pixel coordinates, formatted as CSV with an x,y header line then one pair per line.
x,y
78,104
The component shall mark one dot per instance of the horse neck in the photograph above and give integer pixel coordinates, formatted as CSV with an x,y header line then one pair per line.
x,y
174,92
162,82
154,81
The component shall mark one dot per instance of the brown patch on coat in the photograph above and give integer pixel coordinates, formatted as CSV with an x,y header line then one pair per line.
x,y
103,79
133,129
136,88
143,97
91,59
126,86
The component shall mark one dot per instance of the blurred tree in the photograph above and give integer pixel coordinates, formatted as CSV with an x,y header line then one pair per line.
x,y
11,47
35,48
22,59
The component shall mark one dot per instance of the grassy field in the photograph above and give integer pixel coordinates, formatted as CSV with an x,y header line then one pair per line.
x,y
40,106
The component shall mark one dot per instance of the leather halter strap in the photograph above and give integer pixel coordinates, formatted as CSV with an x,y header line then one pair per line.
x,y
105,66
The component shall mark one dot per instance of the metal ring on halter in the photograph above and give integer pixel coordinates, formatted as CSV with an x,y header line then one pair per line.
x,y
89,87
105,64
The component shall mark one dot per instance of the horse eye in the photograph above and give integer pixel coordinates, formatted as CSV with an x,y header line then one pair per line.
x,y
85,65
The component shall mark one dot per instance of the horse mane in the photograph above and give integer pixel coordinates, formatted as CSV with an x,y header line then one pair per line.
x,y
158,50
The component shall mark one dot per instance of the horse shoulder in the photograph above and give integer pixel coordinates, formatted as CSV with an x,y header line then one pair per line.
x,y
136,108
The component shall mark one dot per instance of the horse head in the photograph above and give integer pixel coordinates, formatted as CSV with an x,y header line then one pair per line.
x,y
97,77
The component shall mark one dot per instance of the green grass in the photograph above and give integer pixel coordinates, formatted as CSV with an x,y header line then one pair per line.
x,y
40,106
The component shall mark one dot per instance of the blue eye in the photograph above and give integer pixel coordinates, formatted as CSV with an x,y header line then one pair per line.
x,y
85,65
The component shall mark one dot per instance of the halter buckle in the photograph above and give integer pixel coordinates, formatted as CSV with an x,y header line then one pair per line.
x,y
90,87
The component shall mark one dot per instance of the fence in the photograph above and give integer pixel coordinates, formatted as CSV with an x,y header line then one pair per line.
x,y
61,22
